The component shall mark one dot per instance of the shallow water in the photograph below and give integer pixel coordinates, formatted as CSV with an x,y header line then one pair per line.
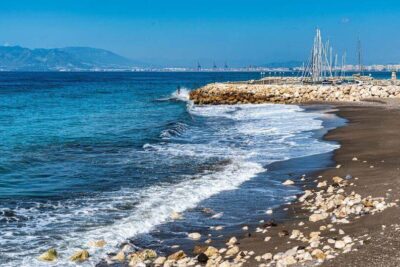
x,y
110,156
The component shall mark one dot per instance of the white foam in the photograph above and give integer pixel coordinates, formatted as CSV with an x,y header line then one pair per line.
x,y
181,94
249,136
156,205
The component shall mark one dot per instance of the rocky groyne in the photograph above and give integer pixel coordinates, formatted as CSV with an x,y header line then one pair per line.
x,y
292,92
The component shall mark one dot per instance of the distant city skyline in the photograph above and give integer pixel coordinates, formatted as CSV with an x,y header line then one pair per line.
x,y
182,33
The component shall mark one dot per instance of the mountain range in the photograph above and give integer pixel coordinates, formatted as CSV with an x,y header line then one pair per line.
x,y
17,58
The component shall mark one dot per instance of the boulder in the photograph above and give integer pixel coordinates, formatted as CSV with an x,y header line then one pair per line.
x,y
232,251
159,261
49,255
80,256
177,256
97,243
194,236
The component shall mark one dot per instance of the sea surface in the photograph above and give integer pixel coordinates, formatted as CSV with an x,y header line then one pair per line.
x,y
88,156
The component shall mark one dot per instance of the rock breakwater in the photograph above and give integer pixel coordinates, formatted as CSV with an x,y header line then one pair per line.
x,y
293,93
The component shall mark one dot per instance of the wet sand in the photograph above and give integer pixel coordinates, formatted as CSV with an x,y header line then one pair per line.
x,y
372,135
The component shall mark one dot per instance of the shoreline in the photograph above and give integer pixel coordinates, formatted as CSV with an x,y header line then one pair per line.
x,y
365,131
249,248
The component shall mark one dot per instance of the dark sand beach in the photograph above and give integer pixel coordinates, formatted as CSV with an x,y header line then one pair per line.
x,y
372,136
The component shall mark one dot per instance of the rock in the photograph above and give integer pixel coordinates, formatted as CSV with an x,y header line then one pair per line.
x,y
347,239
199,249
267,256
340,244
289,260
202,258
176,216
159,261
295,234
337,180
232,241
194,236
318,254
245,228
49,255
267,238
354,159
97,243
283,233
270,223
318,217
322,184
177,255
119,257
80,256
211,252
225,264
269,211
288,182
232,251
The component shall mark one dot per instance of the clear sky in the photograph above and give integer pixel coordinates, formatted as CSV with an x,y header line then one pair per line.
x,y
179,33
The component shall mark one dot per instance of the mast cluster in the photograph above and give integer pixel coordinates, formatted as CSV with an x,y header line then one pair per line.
x,y
322,66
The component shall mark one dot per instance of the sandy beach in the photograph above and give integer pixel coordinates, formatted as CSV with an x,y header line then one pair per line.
x,y
369,155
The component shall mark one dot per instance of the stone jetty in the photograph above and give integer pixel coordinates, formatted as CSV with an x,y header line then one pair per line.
x,y
293,91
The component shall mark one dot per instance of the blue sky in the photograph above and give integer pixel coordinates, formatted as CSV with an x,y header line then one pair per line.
x,y
179,33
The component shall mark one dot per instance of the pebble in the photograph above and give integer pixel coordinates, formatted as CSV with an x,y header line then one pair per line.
x,y
194,236
288,182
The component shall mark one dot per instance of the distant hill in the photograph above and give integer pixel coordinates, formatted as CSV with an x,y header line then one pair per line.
x,y
17,58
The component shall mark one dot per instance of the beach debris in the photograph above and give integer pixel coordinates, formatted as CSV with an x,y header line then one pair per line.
x,y
288,182
194,236
50,255
80,256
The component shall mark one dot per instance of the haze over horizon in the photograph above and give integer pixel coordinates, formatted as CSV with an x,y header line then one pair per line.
x,y
180,33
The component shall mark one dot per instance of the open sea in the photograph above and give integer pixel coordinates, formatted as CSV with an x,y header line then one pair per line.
x,y
88,156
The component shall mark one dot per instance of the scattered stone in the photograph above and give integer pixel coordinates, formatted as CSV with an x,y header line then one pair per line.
x,y
318,217
267,256
49,255
177,255
269,211
97,243
80,256
194,236
232,241
202,258
159,261
119,257
176,216
288,182
232,251
340,244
